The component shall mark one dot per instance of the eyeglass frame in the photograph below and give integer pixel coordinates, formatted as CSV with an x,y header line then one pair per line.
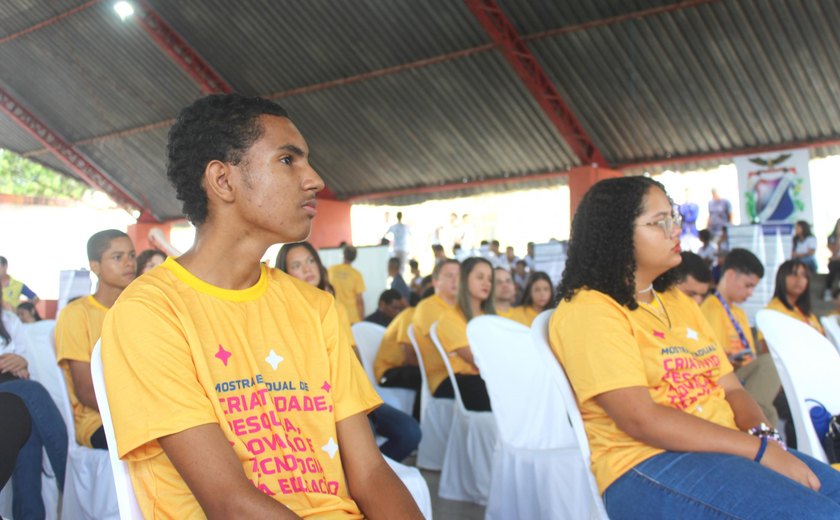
x,y
675,220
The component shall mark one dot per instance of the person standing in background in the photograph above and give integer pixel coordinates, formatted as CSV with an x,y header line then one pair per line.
x,y
349,285
720,214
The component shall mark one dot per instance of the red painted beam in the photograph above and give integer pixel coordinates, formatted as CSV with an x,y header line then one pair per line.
x,y
180,51
500,29
47,22
68,155
728,154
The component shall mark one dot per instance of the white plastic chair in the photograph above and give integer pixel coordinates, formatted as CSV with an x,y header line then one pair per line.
x,y
539,335
368,337
126,499
809,367
435,418
538,471
832,329
416,485
40,354
468,461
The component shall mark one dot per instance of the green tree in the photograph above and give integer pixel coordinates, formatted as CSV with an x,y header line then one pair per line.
x,y
20,176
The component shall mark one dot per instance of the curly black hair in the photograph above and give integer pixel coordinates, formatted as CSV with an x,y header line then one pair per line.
x,y
600,254
218,127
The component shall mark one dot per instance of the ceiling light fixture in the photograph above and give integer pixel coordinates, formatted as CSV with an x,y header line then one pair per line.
x,y
123,9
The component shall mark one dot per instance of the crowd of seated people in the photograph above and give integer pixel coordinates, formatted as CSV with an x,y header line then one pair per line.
x,y
240,352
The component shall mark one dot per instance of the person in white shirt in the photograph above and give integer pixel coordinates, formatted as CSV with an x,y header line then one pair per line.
x,y
400,234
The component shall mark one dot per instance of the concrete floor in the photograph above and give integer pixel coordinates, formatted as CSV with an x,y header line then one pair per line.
x,y
449,509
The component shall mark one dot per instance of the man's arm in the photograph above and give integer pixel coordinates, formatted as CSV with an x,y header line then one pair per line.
x,y
409,356
379,493
360,305
210,468
82,383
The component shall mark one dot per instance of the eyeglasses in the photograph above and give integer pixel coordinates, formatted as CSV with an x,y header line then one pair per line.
x,y
667,224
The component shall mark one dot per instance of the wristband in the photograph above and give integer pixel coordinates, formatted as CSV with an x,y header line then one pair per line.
x,y
761,450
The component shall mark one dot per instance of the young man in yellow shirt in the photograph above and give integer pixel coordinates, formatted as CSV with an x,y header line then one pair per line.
x,y
742,271
111,256
349,285
445,282
233,392
504,294
695,277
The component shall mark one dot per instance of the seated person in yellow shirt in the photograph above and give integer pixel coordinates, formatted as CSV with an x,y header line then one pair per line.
x,y
402,432
504,292
792,294
233,392
695,277
475,298
111,256
537,296
672,432
349,285
429,310
742,271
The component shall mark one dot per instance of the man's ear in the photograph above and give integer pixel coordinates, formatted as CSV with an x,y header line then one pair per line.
x,y
94,267
217,181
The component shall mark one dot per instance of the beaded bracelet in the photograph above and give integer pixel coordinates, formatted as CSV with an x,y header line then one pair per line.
x,y
762,430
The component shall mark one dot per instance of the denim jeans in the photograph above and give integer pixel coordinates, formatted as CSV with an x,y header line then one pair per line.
x,y
401,430
49,432
715,485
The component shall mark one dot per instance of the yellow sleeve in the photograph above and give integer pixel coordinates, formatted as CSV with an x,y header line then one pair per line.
x,y
452,331
73,341
353,392
148,362
344,324
594,341
716,317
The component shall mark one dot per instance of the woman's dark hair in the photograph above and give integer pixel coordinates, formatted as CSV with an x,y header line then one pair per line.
x,y
280,263
144,257
218,127
786,269
601,254
29,306
806,232
4,334
463,299
536,276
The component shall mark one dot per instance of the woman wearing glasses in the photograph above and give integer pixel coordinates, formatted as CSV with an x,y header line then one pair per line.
x,y
672,431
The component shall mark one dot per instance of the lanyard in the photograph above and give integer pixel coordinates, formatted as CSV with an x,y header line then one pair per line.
x,y
734,322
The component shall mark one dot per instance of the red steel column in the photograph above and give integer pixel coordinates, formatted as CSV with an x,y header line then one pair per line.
x,y
65,152
180,51
517,53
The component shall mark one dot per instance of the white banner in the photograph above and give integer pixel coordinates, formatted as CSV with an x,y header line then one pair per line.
x,y
775,187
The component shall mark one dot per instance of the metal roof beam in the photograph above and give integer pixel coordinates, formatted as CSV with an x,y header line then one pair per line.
x,y
171,42
502,32
72,158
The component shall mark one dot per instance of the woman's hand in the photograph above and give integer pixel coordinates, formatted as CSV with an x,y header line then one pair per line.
x,y
14,364
784,463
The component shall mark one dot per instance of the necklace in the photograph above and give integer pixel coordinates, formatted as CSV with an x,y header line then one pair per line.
x,y
658,311
646,289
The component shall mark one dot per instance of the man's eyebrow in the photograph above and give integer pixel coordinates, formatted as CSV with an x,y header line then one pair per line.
x,y
294,150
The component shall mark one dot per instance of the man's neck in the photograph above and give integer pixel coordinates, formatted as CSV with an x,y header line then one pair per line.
x,y
107,294
502,306
450,300
230,260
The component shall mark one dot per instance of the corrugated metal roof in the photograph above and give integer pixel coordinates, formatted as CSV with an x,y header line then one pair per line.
x,y
406,94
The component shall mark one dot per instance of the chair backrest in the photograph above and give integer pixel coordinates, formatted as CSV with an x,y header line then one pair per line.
x,y
126,499
43,367
527,404
832,329
539,335
809,367
445,356
368,336
425,393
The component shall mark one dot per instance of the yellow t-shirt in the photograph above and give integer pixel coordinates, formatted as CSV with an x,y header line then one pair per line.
x,y
429,311
390,353
348,283
268,364
76,332
344,325
725,333
507,314
812,319
452,331
604,346
524,315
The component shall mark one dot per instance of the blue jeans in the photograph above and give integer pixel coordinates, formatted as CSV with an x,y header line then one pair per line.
x,y
49,432
401,430
714,485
